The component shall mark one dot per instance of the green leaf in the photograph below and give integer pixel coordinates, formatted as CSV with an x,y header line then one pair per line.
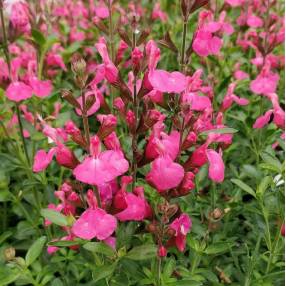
x,y
101,272
244,187
269,167
266,181
218,247
63,243
142,252
226,130
99,247
4,236
35,250
38,37
55,217
8,276
271,160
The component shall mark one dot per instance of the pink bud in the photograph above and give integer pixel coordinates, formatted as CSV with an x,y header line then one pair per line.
x,y
119,104
216,166
162,251
65,157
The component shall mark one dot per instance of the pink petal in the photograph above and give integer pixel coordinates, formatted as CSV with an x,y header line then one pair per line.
x,y
165,174
216,166
198,102
239,100
167,82
261,121
43,159
93,108
102,12
18,91
94,223
97,171
135,208
41,88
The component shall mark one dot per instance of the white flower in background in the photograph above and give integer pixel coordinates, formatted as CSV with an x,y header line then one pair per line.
x,y
278,180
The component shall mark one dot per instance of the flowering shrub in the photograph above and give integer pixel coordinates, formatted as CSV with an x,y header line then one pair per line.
x,y
142,142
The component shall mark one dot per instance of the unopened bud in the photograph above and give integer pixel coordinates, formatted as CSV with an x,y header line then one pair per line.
x,y
78,64
9,253
151,227
217,213
91,99
162,251
68,96
143,36
124,36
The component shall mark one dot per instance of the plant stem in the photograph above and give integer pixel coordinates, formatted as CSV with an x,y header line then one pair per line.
x,y
135,111
159,264
111,42
183,46
85,119
97,194
22,134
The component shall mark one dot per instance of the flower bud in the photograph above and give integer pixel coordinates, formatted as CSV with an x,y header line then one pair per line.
x,y
189,141
108,124
65,157
119,104
112,142
68,96
136,57
217,213
162,251
9,253
124,36
131,121
78,64
91,99
149,120
152,227
143,36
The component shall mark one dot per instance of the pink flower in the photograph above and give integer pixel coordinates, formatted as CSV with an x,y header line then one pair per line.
x,y
261,121
41,88
93,108
162,142
216,166
102,12
182,226
165,174
94,223
111,71
196,102
42,160
153,55
19,17
135,209
18,91
157,13
265,83
101,167
254,21
231,97
240,75
199,157
167,82
206,44
65,157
